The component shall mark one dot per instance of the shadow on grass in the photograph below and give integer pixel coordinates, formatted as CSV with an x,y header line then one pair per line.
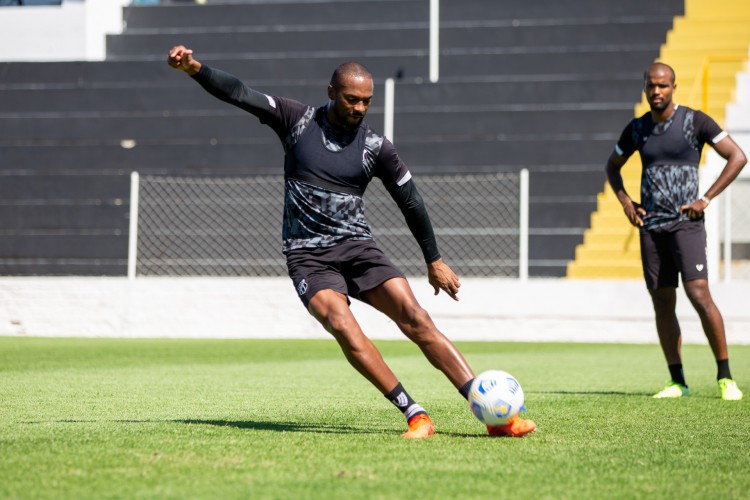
x,y
595,393
320,428
316,427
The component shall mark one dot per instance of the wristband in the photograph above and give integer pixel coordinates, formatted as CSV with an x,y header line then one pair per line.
x,y
705,200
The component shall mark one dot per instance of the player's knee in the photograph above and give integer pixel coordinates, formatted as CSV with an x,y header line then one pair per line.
x,y
699,296
663,299
702,302
337,322
415,319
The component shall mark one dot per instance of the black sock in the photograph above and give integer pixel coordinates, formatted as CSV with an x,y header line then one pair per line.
x,y
677,375
464,389
723,369
401,399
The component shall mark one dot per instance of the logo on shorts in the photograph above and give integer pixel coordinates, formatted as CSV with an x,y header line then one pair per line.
x,y
699,267
301,287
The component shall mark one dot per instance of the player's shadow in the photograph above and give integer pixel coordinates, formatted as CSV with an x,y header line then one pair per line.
x,y
321,428
317,427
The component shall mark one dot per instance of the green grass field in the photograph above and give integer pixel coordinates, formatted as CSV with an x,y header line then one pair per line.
x,y
113,418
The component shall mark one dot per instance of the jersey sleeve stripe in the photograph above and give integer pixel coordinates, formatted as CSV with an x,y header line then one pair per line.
x,y
403,180
719,137
618,150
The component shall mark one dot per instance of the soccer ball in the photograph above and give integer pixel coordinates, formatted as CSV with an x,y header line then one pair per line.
x,y
495,397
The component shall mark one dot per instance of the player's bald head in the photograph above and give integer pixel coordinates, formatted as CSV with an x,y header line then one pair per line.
x,y
659,67
349,70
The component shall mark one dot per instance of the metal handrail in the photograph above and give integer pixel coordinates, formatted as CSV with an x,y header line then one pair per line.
x,y
700,84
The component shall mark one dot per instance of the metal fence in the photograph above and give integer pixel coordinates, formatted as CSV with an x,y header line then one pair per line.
x,y
202,226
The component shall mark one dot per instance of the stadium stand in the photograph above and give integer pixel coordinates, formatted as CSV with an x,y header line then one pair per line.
x,y
545,86
707,47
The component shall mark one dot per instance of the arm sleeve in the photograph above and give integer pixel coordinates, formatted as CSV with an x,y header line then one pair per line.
x,y
412,206
625,146
230,89
707,130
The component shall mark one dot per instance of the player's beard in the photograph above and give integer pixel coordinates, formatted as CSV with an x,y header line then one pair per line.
x,y
664,104
346,119
353,121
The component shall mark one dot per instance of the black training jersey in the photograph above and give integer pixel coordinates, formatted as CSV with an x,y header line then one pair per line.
x,y
670,155
325,177
325,173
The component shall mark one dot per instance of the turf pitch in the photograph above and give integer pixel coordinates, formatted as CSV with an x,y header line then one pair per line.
x,y
148,418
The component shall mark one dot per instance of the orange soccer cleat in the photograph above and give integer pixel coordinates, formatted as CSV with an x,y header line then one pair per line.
x,y
420,426
517,427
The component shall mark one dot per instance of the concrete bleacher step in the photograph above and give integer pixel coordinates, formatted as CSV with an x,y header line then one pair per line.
x,y
256,154
612,268
552,9
273,13
63,266
171,93
28,189
64,215
282,44
717,9
592,253
167,126
317,66
620,237
370,38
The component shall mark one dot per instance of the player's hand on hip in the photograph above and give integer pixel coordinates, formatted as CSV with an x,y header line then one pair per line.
x,y
442,277
634,212
694,210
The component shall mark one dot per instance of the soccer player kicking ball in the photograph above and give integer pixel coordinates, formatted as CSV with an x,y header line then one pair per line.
x,y
331,155
670,217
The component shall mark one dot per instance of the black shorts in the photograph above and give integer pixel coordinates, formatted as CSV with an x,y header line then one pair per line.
x,y
678,249
351,268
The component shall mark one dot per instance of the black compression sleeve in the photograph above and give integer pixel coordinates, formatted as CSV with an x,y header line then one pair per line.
x,y
230,89
412,206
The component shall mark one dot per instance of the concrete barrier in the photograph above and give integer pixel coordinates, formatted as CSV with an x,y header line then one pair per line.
x,y
553,310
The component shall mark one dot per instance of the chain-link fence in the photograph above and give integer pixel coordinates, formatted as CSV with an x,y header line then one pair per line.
x,y
232,226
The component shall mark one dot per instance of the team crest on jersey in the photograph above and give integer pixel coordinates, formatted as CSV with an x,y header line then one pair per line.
x,y
301,287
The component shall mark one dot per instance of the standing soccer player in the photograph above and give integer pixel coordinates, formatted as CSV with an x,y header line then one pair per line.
x,y
670,217
331,155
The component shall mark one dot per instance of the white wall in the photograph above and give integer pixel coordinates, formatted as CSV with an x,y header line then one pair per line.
x,y
489,309
73,31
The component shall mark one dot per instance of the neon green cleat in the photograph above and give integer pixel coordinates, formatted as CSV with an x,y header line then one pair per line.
x,y
729,390
673,390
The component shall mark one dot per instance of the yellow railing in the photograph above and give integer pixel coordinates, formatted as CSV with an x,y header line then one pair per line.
x,y
701,82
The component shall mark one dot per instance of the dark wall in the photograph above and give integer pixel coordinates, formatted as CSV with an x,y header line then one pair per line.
x,y
543,85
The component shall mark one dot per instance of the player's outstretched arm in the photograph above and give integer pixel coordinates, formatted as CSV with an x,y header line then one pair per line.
x,y
442,277
180,57
218,83
633,211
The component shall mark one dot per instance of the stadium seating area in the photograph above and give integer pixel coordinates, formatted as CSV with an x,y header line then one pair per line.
x,y
545,85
